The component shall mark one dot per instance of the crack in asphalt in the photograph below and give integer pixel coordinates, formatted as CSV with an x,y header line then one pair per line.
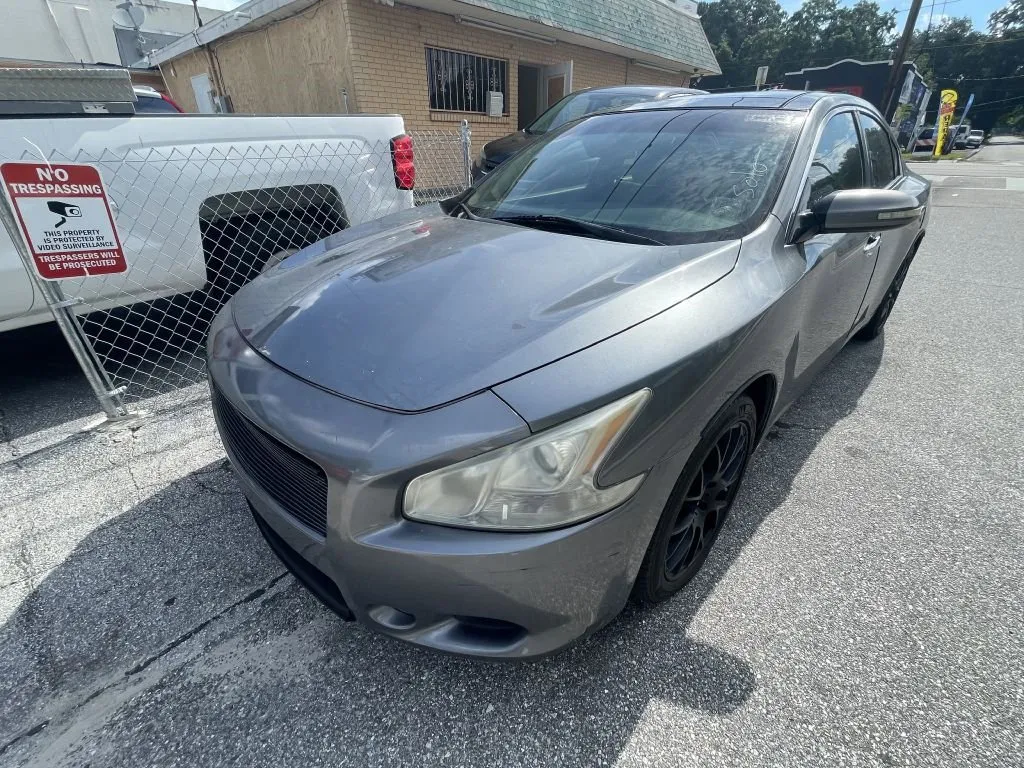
x,y
24,460
801,427
84,477
26,734
132,440
222,466
254,595
23,561
137,669
6,436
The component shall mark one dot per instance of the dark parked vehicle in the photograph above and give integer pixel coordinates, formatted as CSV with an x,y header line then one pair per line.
x,y
925,141
574,106
481,426
960,137
149,101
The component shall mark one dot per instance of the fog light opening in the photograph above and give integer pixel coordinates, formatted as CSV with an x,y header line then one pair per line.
x,y
392,618
487,632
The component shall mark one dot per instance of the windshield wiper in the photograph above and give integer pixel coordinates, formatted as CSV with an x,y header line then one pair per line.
x,y
461,206
577,226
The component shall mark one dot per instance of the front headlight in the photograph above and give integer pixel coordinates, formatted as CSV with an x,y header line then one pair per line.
x,y
544,481
481,158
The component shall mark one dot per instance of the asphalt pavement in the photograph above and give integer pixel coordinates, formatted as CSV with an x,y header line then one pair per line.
x,y
864,607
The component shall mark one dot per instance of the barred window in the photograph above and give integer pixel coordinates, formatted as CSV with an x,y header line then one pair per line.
x,y
459,82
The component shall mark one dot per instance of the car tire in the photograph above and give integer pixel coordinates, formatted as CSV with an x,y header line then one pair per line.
x,y
699,505
884,309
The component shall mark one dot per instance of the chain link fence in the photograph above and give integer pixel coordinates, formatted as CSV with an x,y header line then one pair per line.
x,y
197,225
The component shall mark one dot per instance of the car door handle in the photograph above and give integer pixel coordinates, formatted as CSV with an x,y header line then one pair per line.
x,y
872,243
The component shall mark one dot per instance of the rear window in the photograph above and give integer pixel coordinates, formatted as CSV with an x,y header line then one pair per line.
x,y
148,105
582,103
674,176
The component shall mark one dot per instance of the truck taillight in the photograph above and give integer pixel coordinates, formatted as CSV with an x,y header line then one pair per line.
x,y
402,160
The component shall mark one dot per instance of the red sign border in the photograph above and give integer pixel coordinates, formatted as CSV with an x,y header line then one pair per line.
x,y
83,272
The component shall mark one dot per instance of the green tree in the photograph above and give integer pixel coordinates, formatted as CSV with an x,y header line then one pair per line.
x,y
1010,18
822,31
991,66
951,54
744,35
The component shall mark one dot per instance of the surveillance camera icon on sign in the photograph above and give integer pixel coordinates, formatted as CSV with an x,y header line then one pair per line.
x,y
64,210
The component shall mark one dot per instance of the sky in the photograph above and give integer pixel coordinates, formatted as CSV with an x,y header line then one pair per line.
x,y
977,10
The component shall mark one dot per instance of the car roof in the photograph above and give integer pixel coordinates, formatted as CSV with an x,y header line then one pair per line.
x,y
801,101
653,92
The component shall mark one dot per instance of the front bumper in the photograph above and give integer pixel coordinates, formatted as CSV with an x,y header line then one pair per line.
x,y
480,593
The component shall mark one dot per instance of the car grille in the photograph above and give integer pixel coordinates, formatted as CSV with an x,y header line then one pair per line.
x,y
297,484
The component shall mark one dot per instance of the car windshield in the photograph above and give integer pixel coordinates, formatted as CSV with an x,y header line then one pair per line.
x,y
977,133
669,176
582,103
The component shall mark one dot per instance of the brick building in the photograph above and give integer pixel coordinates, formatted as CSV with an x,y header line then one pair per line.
x,y
497,63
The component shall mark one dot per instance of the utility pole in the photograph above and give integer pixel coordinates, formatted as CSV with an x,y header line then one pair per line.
x,y
893,86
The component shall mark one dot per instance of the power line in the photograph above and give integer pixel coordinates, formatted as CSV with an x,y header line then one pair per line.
x,y
1000,101
985,79
904,10
966,45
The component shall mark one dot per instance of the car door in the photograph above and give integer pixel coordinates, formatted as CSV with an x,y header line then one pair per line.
x,y
838,266
885,171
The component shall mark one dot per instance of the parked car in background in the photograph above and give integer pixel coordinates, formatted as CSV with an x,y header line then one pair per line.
x,y
960,139
149,101
975,139
925,141
574,106
482,425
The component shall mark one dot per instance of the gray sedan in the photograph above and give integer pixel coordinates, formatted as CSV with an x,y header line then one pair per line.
x,y
483,426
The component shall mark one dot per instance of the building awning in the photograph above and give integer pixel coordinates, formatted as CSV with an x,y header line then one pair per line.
x,y
663,34
249,16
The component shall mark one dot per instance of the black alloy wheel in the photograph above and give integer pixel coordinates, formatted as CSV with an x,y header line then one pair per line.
x,y
699,518
877,321
699,505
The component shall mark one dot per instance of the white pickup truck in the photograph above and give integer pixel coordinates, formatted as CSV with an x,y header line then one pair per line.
x,y
199,197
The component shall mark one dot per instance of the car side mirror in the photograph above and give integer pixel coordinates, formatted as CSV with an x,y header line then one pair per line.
x,y
857,210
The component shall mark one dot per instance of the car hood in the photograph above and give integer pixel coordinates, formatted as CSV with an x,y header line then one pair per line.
x,y
499,150
418,309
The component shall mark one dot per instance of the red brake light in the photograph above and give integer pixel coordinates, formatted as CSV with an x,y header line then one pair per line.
x,y
171,101
402,160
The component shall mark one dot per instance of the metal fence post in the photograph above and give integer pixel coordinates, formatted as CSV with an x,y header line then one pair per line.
x,y
109,397
467,152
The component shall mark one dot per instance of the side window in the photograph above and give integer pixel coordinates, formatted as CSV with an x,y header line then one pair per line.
x,y
880,154
838,161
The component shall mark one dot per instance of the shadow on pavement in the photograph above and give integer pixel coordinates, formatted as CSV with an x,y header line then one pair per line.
x,y
41,385
154,348
147,582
